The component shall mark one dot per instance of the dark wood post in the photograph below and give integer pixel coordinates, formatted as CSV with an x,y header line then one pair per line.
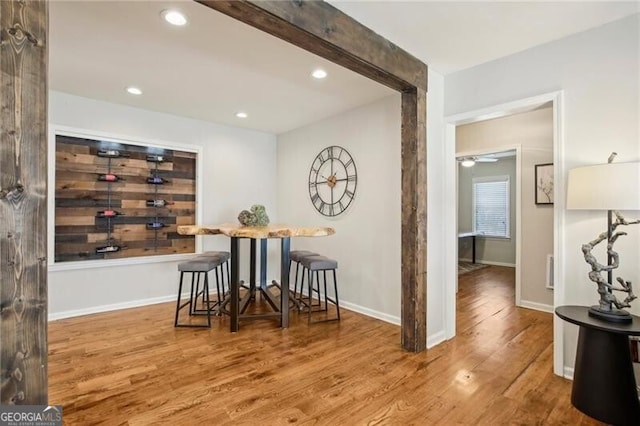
x,y
23,201
414,220
322,29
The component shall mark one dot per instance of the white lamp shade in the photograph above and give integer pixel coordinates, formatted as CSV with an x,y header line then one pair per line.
x,y
614,186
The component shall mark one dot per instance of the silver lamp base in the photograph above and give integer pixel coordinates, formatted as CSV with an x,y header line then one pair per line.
x,y
613,315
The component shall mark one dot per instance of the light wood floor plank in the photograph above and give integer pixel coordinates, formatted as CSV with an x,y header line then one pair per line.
x,y
133,367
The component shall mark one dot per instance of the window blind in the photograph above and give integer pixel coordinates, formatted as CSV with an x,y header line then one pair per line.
x,y
491,206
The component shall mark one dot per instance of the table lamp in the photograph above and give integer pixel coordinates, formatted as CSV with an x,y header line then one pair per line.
x,y
611,187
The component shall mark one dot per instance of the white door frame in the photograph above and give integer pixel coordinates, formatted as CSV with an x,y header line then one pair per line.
x,y
451,212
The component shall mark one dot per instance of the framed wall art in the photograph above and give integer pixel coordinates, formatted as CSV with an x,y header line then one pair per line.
x,y
544,183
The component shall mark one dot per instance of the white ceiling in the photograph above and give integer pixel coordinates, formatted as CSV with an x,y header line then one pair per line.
x,y
453,35
216,66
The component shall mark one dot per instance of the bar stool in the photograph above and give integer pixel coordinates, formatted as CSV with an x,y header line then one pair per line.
x,y
196,268
223,257
324,264
297,256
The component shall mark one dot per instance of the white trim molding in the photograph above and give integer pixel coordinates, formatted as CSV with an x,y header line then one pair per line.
x,y
436,339
113,307
370,312
536,306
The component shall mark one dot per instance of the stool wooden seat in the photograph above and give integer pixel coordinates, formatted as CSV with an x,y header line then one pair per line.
x,y
317,264
195,267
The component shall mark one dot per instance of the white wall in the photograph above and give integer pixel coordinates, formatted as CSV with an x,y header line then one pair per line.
x,y
598,72
239,169
500,251
367,241
437,275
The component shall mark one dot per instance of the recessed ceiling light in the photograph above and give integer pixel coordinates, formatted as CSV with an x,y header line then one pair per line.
x,y
468,162
174,17
241,114
134,90
319,74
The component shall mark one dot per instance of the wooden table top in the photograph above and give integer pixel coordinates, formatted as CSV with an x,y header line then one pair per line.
x,y
269,231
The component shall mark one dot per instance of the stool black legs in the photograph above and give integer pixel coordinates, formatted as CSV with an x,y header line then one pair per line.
x,y
326,298
193,295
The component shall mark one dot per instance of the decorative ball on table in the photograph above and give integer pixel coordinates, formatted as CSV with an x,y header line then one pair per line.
x,y
246,218
260,214
257,216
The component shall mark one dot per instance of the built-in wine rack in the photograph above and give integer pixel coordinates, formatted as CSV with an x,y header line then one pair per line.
x,y
105,217
116,200
156,181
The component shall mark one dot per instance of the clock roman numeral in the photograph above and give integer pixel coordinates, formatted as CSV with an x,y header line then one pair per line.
x,y
331,213
350,194
348,163
351,178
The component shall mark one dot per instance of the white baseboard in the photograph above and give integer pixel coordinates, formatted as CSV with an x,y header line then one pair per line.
x,y
436,339
431,341
371,313
568,372
489,262
112,307
536,306
171,298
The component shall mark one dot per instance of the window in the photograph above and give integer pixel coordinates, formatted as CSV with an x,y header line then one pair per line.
x,y
491,206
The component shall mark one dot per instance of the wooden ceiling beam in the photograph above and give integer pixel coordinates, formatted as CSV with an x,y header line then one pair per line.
x,y
322,29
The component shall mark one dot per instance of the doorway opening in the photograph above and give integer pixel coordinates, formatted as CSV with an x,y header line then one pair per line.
x,y
483,134
489,210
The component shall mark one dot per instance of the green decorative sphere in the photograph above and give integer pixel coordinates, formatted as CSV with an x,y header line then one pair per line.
x,y
256,217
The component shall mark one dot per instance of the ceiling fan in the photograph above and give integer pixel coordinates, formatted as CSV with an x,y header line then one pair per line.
x,y
470,161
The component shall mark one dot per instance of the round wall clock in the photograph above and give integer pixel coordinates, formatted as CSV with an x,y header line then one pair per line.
x,y
332,181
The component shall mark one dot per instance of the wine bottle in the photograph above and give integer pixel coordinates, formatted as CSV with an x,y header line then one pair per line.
x,y
109,213
109,249
155,158
158,203
156,180
111,153
109,177
155,225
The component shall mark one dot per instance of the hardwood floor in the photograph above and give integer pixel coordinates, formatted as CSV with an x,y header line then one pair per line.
x,y
132,367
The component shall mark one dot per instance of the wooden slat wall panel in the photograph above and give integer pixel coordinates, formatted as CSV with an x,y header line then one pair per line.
x,y
80,196
23,202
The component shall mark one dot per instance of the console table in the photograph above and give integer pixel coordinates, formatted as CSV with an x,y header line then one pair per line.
x,y
604,386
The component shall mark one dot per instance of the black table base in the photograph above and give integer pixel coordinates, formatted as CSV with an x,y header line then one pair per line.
x,y
604,385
